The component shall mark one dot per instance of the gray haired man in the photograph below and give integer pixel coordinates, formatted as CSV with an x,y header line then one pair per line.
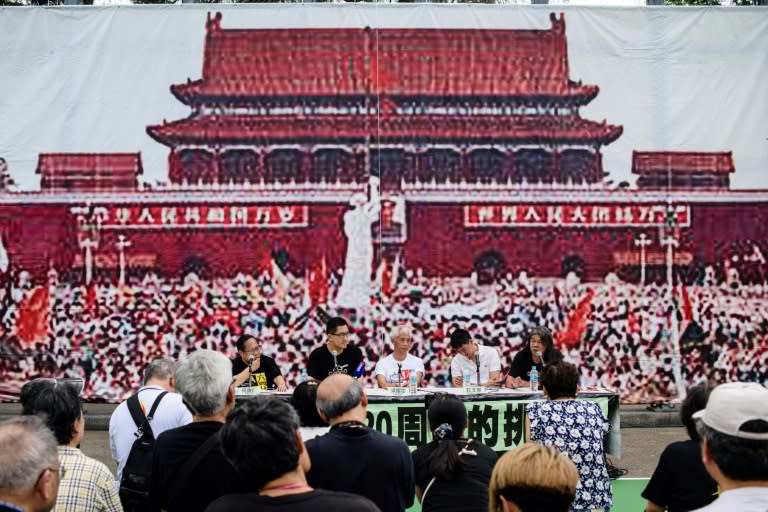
x,y
30,470
734,446
189,470
159,377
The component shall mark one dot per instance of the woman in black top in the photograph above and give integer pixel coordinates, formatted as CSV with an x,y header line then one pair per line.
x,y
452,473
680,481
539,342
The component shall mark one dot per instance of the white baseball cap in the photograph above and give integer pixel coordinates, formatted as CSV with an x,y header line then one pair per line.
x,y
733,404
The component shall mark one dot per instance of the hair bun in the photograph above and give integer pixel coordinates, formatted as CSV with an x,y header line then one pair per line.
x,y
444,431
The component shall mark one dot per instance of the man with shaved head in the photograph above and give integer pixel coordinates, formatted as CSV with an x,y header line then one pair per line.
x,y
354,458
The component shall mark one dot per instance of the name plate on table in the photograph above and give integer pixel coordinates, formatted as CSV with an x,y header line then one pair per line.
x,y
398,391
474,390
248,391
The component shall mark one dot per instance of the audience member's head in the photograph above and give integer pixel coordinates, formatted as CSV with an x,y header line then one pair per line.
x,y
161,372
59,404
533,478
261,440
447,416
560,380
204,380
695,400
339,395
304,400
734,431
30,471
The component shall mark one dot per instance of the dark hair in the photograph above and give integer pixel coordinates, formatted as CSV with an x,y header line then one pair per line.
x,y
334,323
738,459
460,337
259,439
446,409
695,400
304,401
551,354
58,402
243,339
560,379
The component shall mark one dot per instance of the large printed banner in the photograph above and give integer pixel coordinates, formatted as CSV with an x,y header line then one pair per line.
x,y
171,177
498,423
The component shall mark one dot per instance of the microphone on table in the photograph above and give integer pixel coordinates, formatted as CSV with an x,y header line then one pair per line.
x,y
541,358
335,361
477,363
399,374
251,359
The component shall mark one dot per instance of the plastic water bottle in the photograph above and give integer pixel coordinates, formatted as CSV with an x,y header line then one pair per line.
x,y
534,379
467,376
413,384
303,376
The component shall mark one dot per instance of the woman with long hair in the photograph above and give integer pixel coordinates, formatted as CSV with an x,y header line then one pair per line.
x,y
539,351
452,472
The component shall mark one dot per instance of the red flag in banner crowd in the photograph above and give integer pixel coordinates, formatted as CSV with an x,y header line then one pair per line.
x,y
90,300
577,321
385,276
34,314
318,284
686,307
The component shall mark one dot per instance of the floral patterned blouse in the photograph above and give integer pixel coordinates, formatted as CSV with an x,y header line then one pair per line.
x,y
576,428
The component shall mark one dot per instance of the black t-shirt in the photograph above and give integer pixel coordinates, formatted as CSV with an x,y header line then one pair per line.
x,y
321,365
264,377
365,462
313,501
523,361
468,491
213,477
680,480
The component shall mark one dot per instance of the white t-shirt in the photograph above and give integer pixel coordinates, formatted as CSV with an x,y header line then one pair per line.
x,y
745,499
388,367
171,413
489,362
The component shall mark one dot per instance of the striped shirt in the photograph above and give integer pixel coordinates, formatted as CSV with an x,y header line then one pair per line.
x,y
87,486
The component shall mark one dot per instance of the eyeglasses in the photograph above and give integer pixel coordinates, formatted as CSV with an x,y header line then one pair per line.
x,y
249,351
342,334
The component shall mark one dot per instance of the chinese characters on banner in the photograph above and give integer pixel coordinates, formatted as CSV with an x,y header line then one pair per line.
x,y
576,215
497,423
204,216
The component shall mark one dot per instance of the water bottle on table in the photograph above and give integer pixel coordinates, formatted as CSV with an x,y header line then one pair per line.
x,y
467,376
534,379
413,383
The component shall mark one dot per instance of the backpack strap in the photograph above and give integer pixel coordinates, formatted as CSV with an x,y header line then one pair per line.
x,y
142,422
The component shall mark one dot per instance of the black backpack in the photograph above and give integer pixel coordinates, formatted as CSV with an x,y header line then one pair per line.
x,y
137,473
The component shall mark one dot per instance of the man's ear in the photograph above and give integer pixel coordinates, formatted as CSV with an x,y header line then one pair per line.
x,y
231,395
507,506
323,416
46,487
706,457
364,400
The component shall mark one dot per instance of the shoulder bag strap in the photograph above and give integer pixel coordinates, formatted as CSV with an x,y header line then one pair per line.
x,y
191,463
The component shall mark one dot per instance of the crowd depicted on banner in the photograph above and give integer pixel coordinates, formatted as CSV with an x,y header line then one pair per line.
x,y
623,336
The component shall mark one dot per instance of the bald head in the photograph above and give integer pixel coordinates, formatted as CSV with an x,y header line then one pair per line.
x,y
337,395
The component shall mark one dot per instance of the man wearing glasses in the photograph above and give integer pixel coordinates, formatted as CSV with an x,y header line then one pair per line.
x,y
30,470
337,355
264,372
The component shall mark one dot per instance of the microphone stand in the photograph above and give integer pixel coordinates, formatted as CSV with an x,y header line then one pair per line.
x,y
477,363
399,374
250,370
335,361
